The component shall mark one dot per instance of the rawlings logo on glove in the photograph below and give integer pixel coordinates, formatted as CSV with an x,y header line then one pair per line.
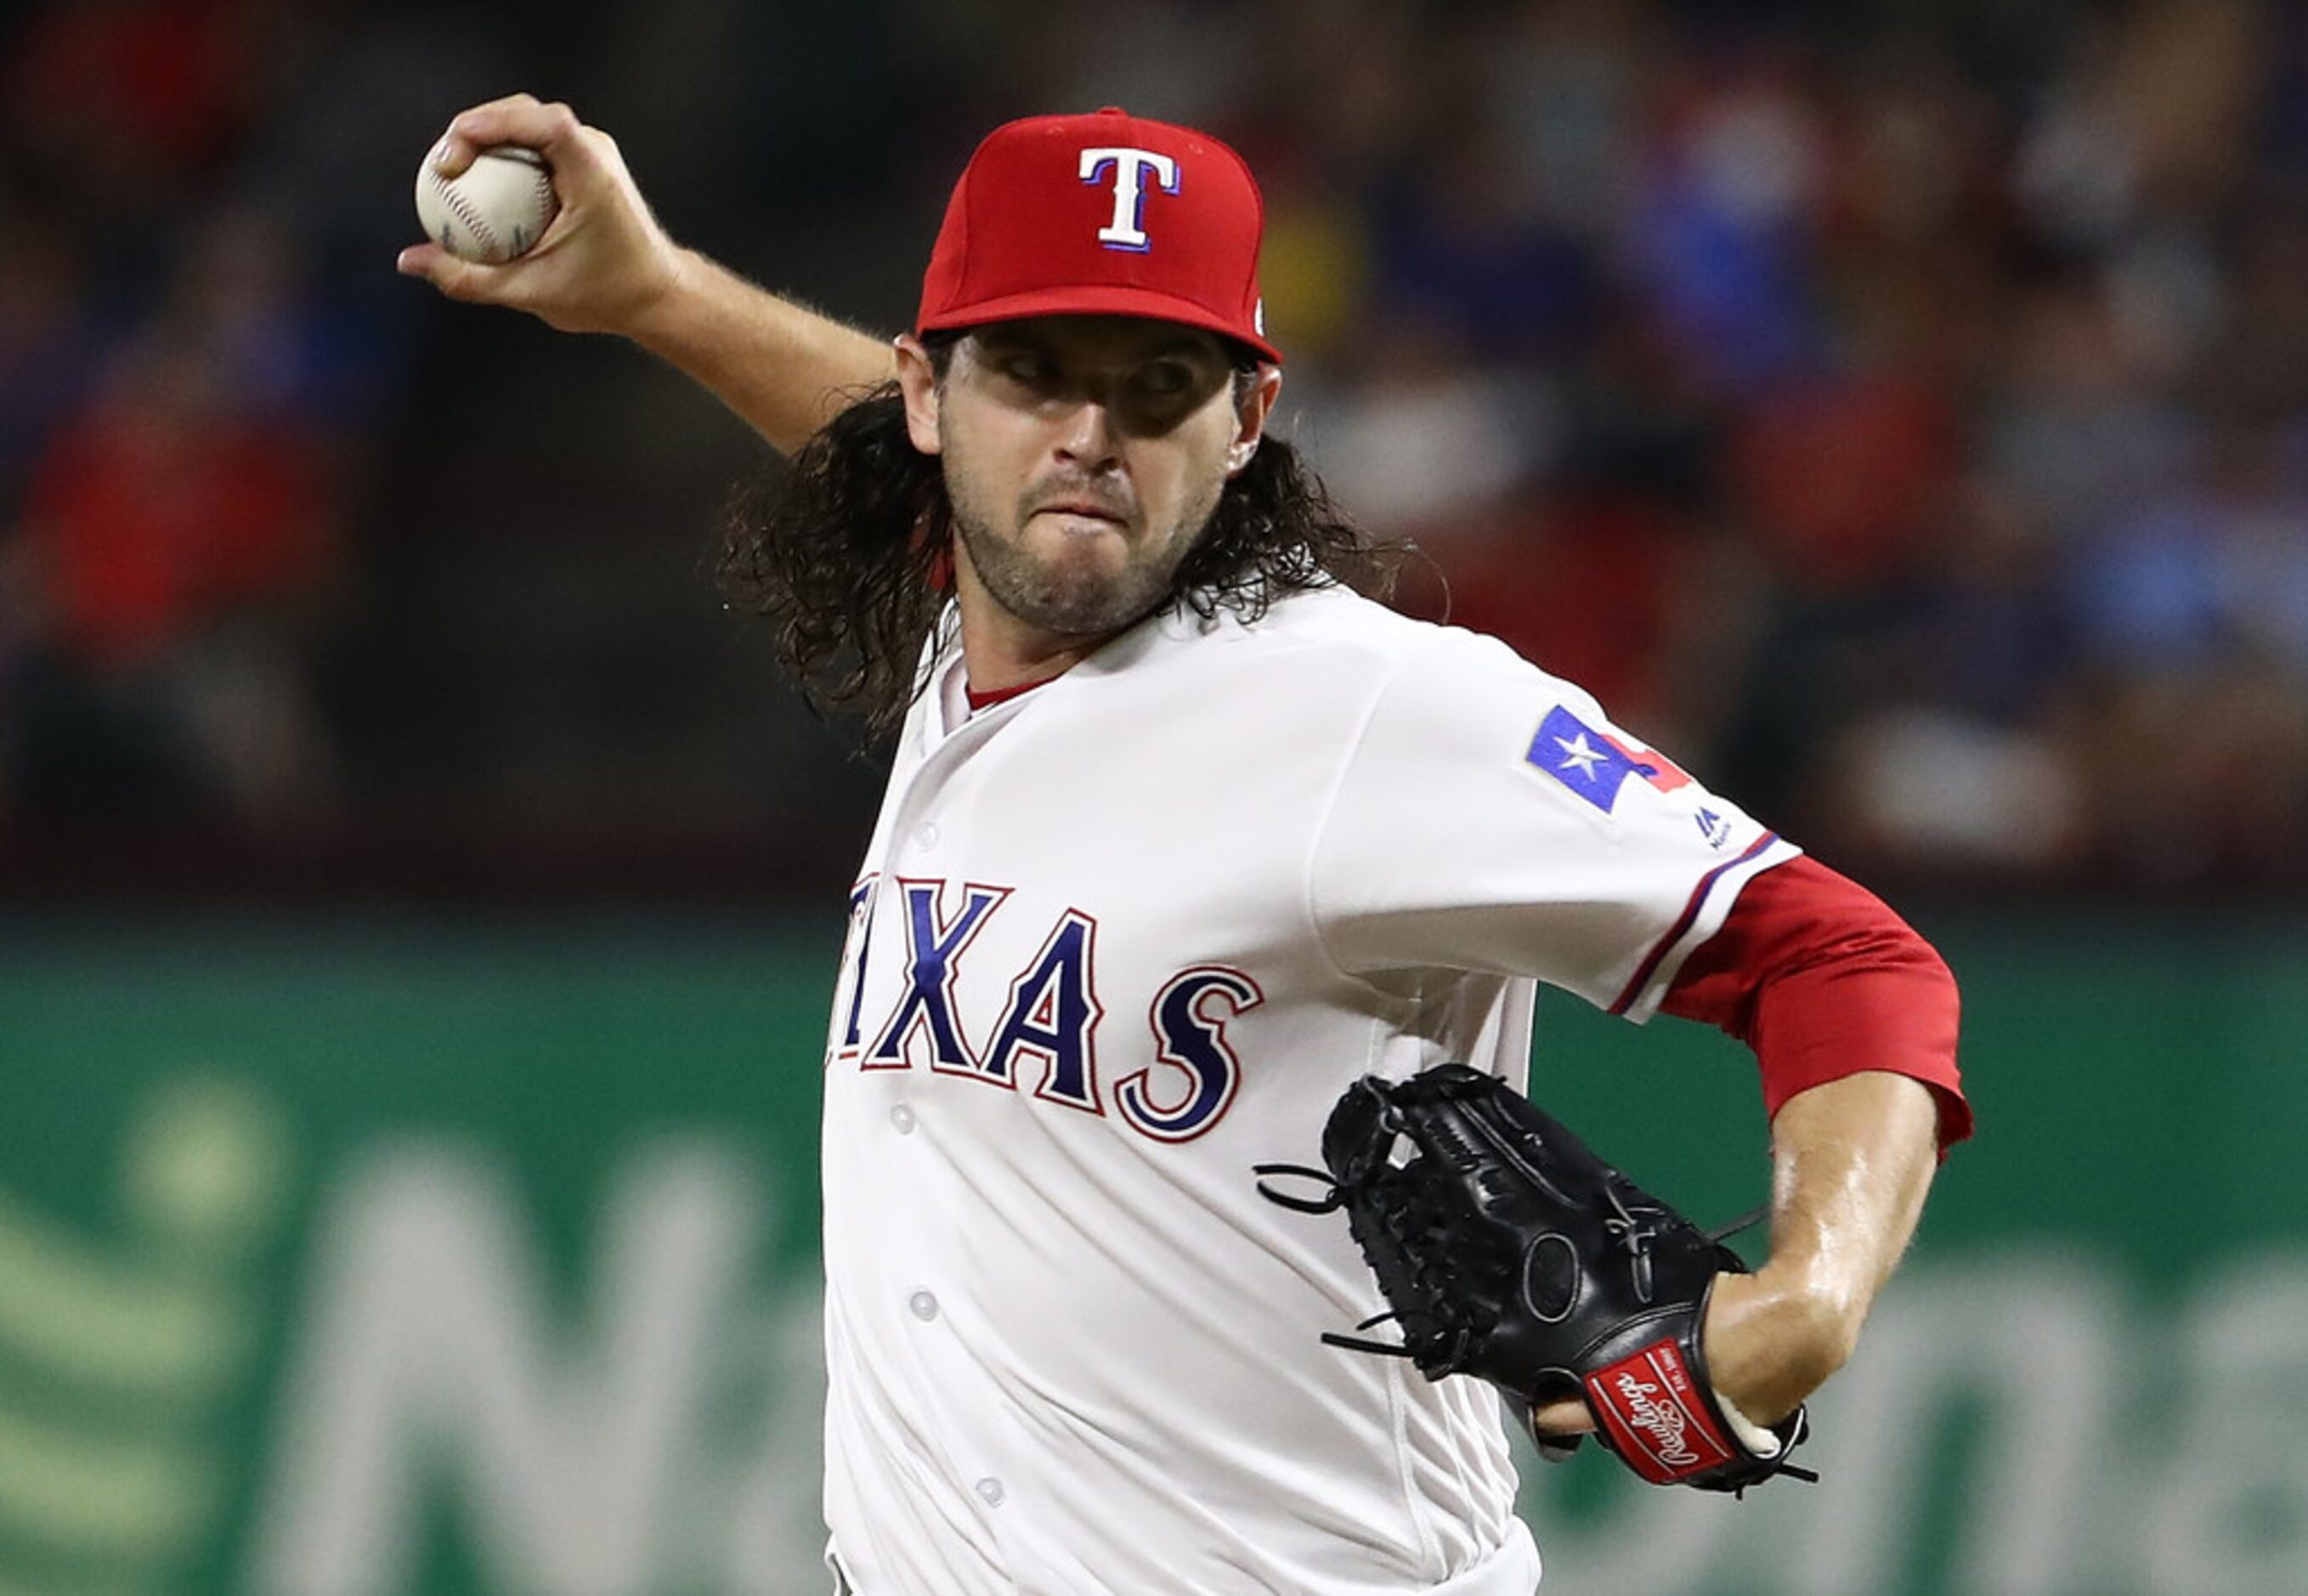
x,y
1652,1422
1506,1249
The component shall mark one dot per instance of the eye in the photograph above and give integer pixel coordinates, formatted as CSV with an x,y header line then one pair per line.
x,y
1167,379
1027,366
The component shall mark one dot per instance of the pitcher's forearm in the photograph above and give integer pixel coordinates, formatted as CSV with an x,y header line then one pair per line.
x,y
783,368
1854,1159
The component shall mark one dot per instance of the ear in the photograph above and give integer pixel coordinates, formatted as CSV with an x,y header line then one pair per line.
x,y
1250,418
917,381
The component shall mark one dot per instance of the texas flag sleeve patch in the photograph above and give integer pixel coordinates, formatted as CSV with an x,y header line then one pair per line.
x,y
1592,765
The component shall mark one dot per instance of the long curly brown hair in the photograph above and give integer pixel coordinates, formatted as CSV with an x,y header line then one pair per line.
x,y
847,552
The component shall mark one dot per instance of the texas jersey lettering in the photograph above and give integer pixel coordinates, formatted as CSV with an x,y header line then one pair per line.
x,y
1045,1036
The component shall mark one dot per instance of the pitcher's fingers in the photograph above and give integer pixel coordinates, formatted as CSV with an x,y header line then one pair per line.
x,y
477,127
1566,1418
551,129
459,279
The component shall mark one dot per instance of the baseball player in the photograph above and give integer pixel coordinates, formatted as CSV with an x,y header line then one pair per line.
x,y
1182,838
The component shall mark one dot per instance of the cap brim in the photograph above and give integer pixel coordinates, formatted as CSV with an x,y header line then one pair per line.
x,y
1110,301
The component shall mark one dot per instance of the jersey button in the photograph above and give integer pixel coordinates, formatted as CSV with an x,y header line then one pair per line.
x,y
902,1118
926,835
990,1491
924,1305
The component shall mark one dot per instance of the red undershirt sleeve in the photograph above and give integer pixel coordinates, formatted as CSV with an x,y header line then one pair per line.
x,y
1817,975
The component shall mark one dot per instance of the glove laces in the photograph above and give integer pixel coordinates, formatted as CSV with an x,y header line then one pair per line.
x,y
1330,1202
1436,1273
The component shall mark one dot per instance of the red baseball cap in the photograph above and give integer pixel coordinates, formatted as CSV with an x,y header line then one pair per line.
x,y
1107,214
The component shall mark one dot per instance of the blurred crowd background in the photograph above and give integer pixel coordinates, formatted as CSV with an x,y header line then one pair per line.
x,y
1899,412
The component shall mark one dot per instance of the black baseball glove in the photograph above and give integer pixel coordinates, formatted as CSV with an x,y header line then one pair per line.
x,y
1506,1249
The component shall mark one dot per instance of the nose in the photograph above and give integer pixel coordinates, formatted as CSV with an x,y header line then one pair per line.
x,y
1087,438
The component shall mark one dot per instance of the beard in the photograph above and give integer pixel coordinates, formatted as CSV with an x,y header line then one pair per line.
x,y
1076,593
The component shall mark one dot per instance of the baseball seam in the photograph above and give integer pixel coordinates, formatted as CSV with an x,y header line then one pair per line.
x,y
483,233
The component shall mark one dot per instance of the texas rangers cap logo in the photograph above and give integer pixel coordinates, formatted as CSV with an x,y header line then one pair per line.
x,y
1128,168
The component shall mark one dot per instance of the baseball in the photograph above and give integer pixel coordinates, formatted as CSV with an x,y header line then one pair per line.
x,y
493,211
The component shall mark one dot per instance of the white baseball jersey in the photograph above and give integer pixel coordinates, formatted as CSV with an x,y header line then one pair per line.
x,y
1117,940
